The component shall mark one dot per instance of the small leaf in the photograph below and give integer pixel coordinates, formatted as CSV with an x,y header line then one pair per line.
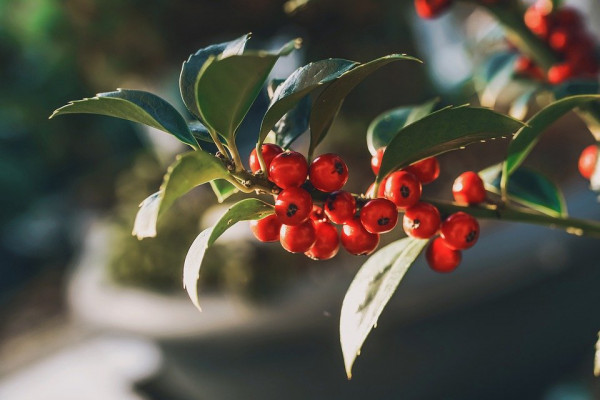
x,y
191,68
298,85
223,189
443,131
528,188
188,171
527,137
244,210
370,291
329,102
387,125
227,86
137,106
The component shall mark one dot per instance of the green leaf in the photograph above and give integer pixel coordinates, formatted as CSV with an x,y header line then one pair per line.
x,y
383,128
200,132
188,171
442,131
223,189
137,106
191,68
576,87
528,188
298,85
527,137
293,124
330,100
227,86
370,291
520,107
499,77
244,210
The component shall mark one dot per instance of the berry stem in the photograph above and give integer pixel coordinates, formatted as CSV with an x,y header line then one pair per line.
x,y
261,159
507,213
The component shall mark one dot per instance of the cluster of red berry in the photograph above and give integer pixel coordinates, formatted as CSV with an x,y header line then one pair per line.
x,y
563,30
422,220
433,8
588,160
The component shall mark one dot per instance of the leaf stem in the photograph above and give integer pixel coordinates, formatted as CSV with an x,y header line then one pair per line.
x,y
218,143
237,160
261,159
507,213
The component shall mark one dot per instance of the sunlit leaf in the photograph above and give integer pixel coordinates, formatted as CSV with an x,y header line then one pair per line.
x,y
223,189
370,291
137,106
247,209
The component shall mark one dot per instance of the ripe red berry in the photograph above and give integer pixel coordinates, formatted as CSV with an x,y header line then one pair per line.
x,y
380,190
431,8
537,21
560,39
267,228
442,258
288,169
526,66
379,216
587,161
468,188
293,205
460,231
269,151
317,214
328,173
403,189
327,242
421,221
376,160
426,170
340,206
356,239
559,73
567,17
298,238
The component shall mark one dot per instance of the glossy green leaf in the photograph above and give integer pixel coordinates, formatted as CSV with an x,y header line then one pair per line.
x,y
527,137
200,132
191,68
293,124
298,85
528,188
370,291
520,107
383,128
137,106
329,102
443,131
244,210
499,77
227,86
223,189
575,87
188,171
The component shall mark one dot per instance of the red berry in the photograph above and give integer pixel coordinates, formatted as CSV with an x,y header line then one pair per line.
x,y
442,258
288,169
560,39
328,172
567,17
426,170
327,243
376,160
379,216
380,190
587,161
537,21
269,151
468,188
340,206
421,221
267,228
460,231
293,205
317,214
356,239
298,238
526,66
431,8
403,189
559,73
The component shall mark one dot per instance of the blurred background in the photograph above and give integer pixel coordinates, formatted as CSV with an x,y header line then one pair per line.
x,y
89,312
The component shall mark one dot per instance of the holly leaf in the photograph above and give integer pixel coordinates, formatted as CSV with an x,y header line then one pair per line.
x,y
191,68
227,86
385,126
529,188
247,209
370,291
137,106
527,137
188,171
297,86
442,131
223,189
329,101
